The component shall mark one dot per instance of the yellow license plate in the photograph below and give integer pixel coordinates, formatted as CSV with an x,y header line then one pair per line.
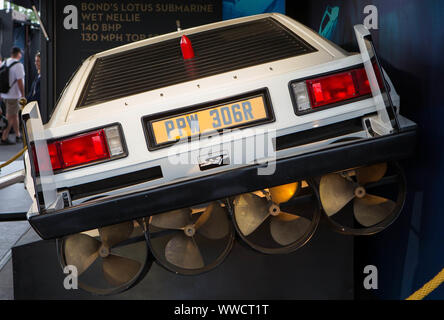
x,y
227,116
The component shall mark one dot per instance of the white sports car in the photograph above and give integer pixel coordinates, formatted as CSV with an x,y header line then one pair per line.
x,y
251,120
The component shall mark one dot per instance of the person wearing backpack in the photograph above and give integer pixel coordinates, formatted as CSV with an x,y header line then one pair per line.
x,y
12,89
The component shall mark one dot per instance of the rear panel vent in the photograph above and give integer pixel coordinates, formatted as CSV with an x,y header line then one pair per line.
x,y
318,134
217,51
109,184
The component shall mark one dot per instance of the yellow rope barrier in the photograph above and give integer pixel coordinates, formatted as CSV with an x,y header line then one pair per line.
x,y
18,155
428,287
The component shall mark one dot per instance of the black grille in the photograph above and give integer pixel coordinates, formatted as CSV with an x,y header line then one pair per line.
x,y
217,51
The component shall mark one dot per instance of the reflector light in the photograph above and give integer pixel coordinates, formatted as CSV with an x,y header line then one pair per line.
x,y
331,89
301,95
114,141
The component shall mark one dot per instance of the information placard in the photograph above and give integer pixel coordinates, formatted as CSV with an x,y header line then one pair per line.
x,y
83,28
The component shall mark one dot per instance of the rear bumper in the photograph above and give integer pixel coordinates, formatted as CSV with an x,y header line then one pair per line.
x,y
188,193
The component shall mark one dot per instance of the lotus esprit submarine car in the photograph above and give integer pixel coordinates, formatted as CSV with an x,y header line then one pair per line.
x,y
142,149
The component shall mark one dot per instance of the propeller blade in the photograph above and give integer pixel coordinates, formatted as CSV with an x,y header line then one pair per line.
x,y
112,235
81,251
204,217
182,251
335,192
119,270
288,228
371,210
213,223
176,219
250,212
282,194
371,174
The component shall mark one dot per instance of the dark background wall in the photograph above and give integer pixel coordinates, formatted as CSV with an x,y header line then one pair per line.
x,y
108,24
6,34
409,40
22,35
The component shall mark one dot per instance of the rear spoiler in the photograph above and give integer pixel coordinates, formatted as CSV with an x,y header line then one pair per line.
x,y
386,121
45,189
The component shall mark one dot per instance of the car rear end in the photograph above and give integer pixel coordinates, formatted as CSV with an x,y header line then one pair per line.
x,y
275,103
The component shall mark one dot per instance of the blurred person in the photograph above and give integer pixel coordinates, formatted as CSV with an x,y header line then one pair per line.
x,y
1,102
15,93
3,121
34,94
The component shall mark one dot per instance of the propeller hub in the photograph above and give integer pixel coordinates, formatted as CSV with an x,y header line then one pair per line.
x,y
274,210
360,192
104,251
190,230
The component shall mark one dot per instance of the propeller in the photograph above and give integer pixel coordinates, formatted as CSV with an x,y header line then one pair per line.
x,y
182,249
82,250
337,190
251,211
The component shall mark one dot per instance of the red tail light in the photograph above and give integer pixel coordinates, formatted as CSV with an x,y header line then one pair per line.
x,y
338,87
327,90
95,146
54,156
362,81
80,150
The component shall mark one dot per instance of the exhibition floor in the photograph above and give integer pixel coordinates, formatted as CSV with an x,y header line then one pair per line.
x,y
6,270
6,282
11,233
8,151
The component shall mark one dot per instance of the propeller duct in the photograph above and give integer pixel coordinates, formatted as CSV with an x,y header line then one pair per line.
x,y
263,222
108,260
351,191
190,241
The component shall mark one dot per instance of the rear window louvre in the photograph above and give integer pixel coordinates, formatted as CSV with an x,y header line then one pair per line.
x,y
217,51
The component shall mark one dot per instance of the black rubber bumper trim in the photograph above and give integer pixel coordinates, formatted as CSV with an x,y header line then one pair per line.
x,y
114,210
16,216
